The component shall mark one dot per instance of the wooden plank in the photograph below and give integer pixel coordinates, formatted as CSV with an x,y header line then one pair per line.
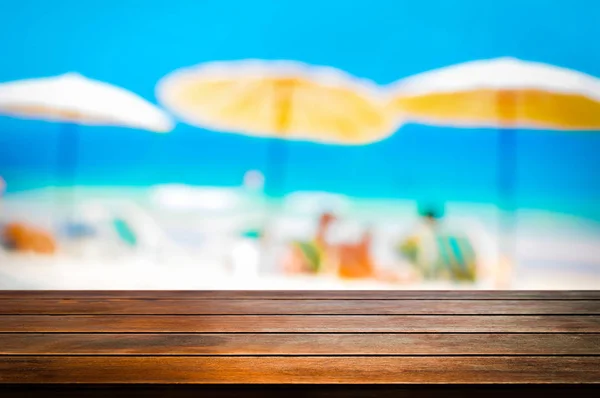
x,y
255,370
301,323
299,344
311,294
297,390
307,307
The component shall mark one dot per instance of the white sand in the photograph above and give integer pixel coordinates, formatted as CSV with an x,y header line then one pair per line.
x,y
191,248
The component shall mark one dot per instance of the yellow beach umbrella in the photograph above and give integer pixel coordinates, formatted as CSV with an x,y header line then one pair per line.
x,y
505,94
277,99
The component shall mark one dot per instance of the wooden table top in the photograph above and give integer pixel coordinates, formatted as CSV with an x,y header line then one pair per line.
x,y
277,337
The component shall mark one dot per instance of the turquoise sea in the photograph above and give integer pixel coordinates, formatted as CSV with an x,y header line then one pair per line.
x,y
134,43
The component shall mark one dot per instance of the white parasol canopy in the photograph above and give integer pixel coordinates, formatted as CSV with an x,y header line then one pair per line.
x,y
74,98
503,73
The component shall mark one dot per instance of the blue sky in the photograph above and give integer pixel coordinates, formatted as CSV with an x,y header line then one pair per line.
x,y
133,43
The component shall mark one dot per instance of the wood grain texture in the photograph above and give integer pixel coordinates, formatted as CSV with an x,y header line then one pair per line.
x,y
194,338
295,390
82,306
299,344
308,294
256,370
300,324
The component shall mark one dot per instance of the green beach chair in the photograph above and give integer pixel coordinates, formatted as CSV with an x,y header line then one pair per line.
x,y
455,258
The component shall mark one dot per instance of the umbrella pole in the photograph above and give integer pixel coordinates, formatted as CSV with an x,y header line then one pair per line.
x,y
67,162
277,155
507,112
277,152
507,170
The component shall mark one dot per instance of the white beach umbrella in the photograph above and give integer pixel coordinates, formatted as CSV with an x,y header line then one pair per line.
x,y
74,100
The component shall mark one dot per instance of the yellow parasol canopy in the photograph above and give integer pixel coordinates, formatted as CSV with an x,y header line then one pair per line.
x,y
277,99
502,92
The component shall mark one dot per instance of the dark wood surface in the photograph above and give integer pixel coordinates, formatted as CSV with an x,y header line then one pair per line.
x,y
300,369
292,344
300,323
297,390
107,340
144,306
557,295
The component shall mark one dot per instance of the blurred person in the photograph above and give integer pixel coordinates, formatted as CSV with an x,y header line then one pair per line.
x,y
311,256
344,260
357,261
438,254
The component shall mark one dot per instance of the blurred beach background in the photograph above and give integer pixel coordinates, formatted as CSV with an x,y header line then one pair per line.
x,y
194,200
